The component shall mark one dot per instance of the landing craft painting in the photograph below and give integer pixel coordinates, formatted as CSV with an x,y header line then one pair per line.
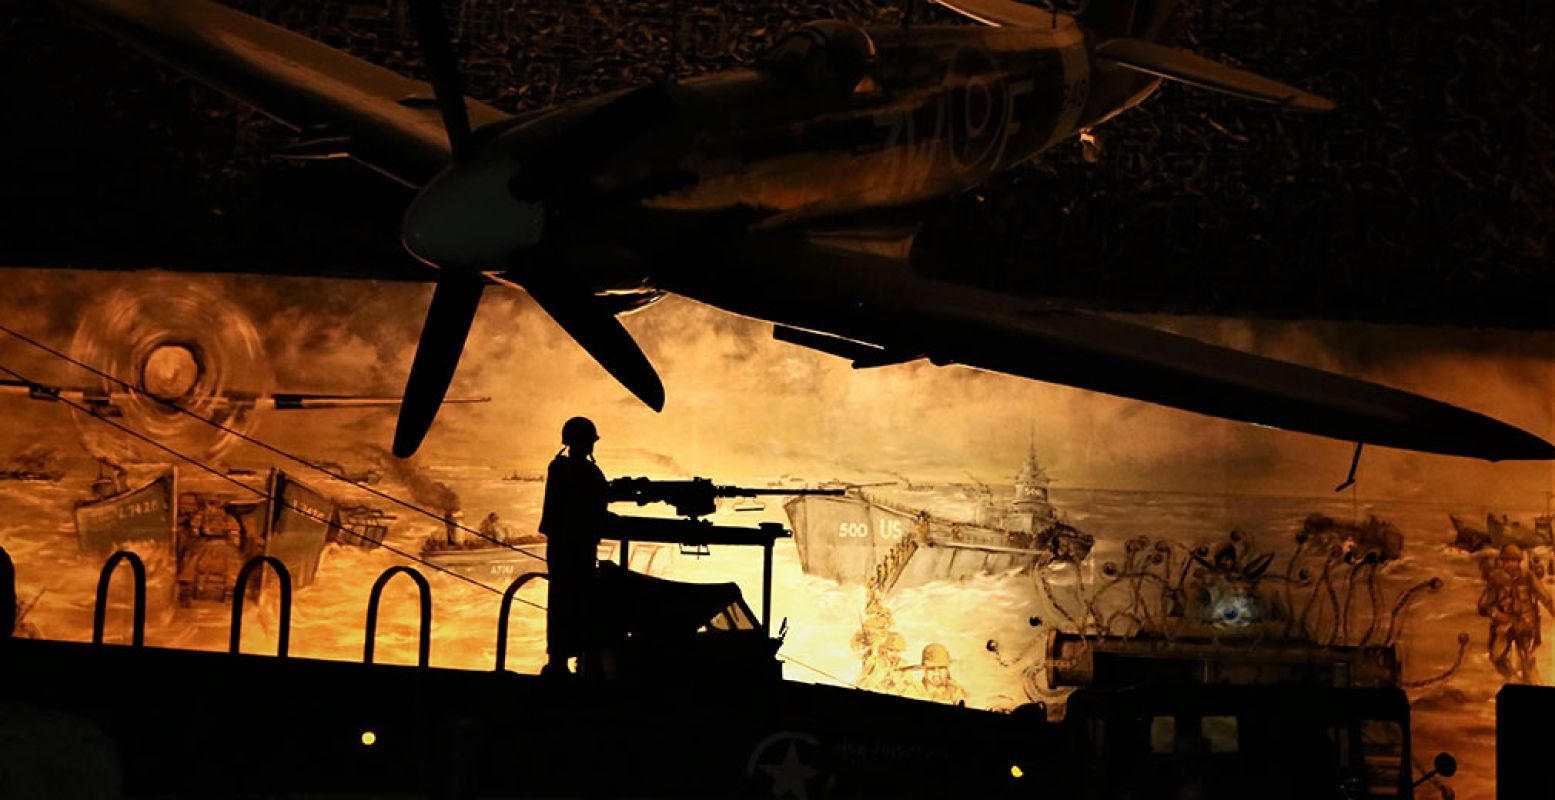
x,y
1115,520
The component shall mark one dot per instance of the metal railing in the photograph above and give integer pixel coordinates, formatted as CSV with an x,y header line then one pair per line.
x,y
424,654
283,637
100,611
507,608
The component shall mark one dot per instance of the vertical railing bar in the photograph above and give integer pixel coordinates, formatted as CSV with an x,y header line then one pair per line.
x,y
138,571
8,608
766,588
283,639
424,655
507,608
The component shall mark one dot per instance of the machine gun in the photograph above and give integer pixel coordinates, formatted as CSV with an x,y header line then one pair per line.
x,y
695,498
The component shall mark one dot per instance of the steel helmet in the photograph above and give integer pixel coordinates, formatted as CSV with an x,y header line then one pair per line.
x,y
579,430
1511,552
935,655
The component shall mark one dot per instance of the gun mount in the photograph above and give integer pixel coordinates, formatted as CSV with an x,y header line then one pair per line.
x,y
695,498
701,533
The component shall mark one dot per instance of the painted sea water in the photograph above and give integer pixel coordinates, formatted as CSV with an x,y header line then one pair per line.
x,y
1455,715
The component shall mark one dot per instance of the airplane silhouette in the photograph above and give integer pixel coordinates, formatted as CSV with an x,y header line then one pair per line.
x,y
789,191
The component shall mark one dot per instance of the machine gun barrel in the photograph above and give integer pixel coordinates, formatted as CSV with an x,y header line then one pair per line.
x,y
696,497
744,491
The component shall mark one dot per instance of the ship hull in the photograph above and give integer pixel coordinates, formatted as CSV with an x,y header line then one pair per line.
x,y
497,565
1498,534
146,513
292,529
858,539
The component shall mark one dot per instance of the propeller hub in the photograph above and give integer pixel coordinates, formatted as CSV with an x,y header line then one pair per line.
x,y
466,219
170,372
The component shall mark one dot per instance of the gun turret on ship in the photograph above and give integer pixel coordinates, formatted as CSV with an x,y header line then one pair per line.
x,y
865,537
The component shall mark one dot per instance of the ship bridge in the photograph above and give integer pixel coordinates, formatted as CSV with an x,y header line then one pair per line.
x,y
1031,488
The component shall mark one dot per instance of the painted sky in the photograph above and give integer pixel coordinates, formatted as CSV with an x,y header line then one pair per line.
x,y
742,405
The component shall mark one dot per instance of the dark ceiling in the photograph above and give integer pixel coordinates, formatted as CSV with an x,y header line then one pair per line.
x,y
1428,197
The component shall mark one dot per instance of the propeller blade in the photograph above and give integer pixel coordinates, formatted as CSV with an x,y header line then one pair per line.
x,y
443,66
558,170
589,322
437,355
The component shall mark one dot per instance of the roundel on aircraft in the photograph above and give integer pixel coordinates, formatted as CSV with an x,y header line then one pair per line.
x,y
176,344
979,109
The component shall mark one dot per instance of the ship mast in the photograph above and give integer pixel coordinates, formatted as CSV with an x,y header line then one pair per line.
x,y
1031,486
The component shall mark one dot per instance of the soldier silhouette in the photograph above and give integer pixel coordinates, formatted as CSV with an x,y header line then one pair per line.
x,y
574,513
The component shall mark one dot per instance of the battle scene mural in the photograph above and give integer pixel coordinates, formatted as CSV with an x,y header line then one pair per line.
x,y
984,540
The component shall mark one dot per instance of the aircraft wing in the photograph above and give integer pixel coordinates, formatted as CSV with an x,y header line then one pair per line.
x,y
877,311
1134,361
340,103
1195,70
1151,58
1000,13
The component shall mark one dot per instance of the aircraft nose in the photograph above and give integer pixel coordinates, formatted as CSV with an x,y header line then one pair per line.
x,y
466,218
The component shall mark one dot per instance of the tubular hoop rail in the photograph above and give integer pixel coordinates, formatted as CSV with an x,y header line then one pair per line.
x,y
138,568
283,638
507,608
424,655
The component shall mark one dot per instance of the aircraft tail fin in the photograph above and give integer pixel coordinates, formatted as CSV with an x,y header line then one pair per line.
x,y
1184,67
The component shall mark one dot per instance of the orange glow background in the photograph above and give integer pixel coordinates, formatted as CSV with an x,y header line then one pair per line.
x,y
745,409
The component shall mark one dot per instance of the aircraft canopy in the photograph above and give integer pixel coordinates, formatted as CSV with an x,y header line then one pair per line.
x,y
825,53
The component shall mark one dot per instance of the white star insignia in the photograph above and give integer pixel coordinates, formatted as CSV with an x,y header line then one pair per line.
x,y
789,778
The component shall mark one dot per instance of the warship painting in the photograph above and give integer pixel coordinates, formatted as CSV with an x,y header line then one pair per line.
x,y
865,537
36,464
501,553
1501,531
211,529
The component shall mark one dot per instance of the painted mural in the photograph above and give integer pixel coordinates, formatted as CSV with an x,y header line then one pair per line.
x,y
991,537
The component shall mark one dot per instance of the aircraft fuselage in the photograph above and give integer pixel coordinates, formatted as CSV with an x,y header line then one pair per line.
x,y
856,121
